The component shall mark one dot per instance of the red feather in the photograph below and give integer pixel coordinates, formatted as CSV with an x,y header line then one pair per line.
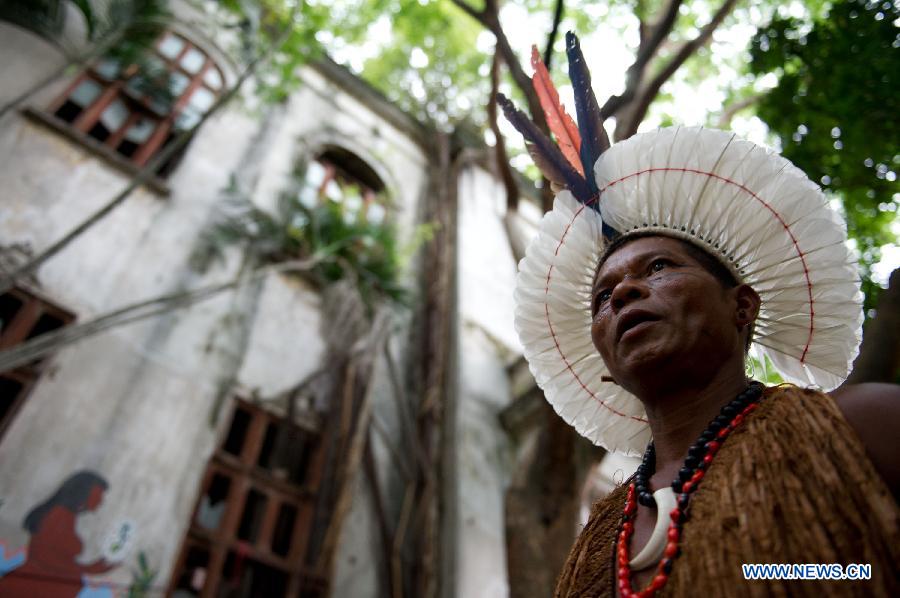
x,y
561,124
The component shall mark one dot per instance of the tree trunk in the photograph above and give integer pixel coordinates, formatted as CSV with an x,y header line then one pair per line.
x,y
543,502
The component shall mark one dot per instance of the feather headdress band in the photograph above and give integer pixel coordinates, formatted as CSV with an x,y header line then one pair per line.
x,y
753,210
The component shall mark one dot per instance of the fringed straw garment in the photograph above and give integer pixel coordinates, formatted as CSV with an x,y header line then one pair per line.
x,y
792,484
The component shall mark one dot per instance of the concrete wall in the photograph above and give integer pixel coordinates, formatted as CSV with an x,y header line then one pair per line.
x,y
135,403
488,342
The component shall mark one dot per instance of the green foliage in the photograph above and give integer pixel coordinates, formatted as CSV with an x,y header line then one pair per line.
x,y
836,111
345,242
141,578
430,66
43,17
141,19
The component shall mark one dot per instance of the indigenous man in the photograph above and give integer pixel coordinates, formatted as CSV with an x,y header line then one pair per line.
x,y
648,283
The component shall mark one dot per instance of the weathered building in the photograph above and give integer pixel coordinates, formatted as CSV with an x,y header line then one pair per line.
x,y
244,443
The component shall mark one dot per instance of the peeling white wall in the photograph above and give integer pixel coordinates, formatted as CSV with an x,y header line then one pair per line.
x,y
135,403
483,452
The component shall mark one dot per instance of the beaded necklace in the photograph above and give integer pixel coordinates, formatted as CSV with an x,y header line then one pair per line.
x,y
699,457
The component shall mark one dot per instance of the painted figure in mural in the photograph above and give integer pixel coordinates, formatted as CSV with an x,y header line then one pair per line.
x,y
51,568
664,260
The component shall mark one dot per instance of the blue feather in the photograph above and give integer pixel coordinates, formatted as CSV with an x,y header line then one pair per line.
x,y
594,140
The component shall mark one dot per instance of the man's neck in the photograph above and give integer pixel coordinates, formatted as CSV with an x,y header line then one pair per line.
x,y
679,415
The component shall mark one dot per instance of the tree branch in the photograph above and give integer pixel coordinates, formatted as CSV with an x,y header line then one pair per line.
x,y
478,15
732,109
48,342
554,30
509,182
490,20
648,93
652,37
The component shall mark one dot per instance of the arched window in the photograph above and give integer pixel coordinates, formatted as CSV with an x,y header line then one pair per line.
x,y
135,110
341,176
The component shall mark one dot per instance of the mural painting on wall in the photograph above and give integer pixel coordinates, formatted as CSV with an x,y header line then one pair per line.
x,y
49,565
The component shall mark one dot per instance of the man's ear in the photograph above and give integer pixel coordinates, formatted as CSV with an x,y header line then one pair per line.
x,y
747,305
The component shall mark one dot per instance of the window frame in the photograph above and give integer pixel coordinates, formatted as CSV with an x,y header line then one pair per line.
x,y
139,107
16,332
246,475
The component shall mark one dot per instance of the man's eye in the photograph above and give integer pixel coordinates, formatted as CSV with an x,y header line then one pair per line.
x,y
601,298
658,265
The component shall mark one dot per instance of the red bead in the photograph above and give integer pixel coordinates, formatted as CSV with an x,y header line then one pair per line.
x,y
713,446
624,572
673,534
737,420
658,582
627,528
686,487
697,476
675,515
671,550
707,459
723,433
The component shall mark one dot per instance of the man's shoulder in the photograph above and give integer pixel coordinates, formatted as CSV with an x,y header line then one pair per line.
x,y
873,411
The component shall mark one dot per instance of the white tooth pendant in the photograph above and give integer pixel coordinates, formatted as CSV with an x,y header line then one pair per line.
x,y
652,552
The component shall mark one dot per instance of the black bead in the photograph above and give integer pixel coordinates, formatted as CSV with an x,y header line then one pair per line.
x,y
683,500
647,499
667,566
676,486
692,462
685,474
706,437
729,411
697,450
723,420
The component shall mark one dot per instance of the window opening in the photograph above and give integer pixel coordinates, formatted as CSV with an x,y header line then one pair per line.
x,y
341,176
213,502
23,316
240,423
192,578
251,520
249,532
284,529
248,578
137,110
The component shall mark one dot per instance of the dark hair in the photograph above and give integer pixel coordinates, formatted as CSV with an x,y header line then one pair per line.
x,y
72,494
702,257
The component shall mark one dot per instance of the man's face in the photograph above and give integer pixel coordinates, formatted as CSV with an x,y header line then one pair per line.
x,y
657,310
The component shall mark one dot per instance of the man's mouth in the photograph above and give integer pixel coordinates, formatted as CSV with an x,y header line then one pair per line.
x,y
634,319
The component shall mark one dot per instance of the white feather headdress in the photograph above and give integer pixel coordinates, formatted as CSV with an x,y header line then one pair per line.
x,y
750,208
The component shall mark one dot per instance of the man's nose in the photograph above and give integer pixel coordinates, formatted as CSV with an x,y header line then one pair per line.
x,y
628,290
